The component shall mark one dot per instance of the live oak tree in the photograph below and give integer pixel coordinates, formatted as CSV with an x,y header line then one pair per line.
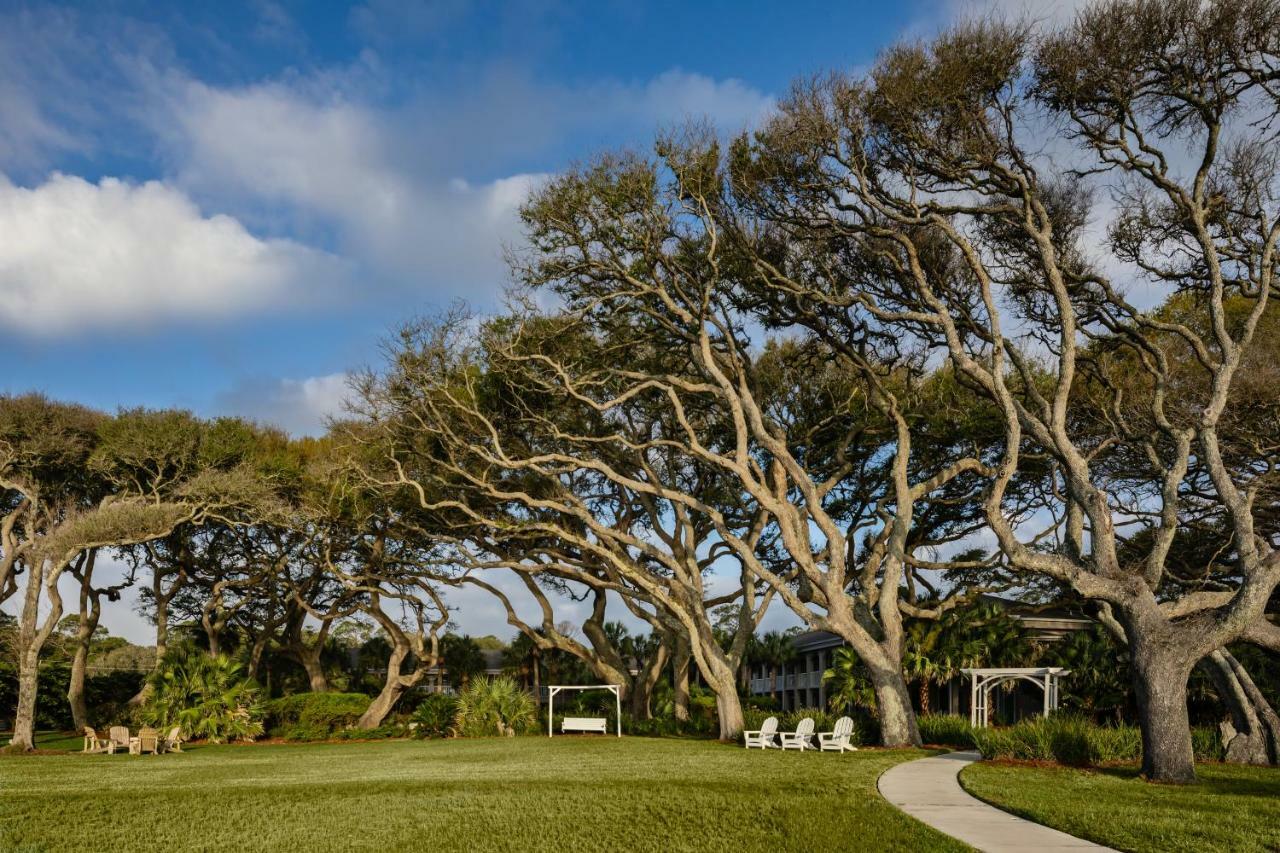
x,y
950,195
466,427
86,626
651,275
109,483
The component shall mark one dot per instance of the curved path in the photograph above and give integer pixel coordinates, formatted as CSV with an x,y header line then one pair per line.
x,y
929,790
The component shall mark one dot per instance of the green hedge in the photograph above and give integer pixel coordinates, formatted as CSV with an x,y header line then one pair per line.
x,y
314,716
823,721
1078,742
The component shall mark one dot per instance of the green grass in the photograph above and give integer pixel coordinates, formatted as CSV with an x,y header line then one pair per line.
x,y
524,794
1233,808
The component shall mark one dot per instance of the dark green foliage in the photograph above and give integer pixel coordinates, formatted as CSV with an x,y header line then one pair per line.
x,y
52,710
313,716
1100,684
435,714
107,696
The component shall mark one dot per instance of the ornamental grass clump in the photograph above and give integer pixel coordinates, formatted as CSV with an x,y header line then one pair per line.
x,y
945,730
1078,742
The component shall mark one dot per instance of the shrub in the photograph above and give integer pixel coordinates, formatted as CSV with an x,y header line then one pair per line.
x,y
387,730
1076,741
314,716
695,726
435,715
207,696
946,730
497,707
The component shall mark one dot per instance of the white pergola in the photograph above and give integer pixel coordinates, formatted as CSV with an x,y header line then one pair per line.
x,y
552,690
984,680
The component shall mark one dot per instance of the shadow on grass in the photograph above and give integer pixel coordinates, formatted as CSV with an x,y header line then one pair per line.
x,y
1226,779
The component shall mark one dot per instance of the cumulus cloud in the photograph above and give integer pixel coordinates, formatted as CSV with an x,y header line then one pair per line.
x,y
78,254
298,406
394,186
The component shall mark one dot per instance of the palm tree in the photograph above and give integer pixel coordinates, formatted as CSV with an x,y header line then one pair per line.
x,y
1099,672
926,656
524,658
462,658
848,683
775,650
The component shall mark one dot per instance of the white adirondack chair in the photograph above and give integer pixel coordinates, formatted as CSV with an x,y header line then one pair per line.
x,y
799,739
93,743
119,738
840,740
173,740
763,736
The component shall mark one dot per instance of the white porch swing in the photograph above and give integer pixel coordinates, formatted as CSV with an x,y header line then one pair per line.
x,y
983,680
583,724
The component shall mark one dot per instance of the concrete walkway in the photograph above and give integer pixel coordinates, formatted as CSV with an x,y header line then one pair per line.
x,y
928,789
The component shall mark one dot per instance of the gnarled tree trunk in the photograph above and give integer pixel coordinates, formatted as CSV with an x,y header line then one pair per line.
x,y
1251,735
680,681
1160,676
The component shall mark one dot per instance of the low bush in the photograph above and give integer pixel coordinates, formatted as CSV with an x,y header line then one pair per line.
x,y
314,716
946,730
387,730
435,714
1078,742
696,726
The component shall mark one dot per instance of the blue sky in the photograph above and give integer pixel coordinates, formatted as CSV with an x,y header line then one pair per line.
x,y
226,206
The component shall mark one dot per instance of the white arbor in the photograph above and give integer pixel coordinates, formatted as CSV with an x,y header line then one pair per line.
x,y
615,689
983,681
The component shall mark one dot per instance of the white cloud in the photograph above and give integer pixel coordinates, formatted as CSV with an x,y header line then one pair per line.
x,y
298,406
392,185
1044,12
731,105
77,254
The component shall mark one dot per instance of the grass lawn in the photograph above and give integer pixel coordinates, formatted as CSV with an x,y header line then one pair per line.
x,y
530,793
1232,809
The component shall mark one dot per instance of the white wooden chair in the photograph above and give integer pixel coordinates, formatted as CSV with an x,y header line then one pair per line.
x,y
148,740
840,740
799,739
763,736
172,741
93,743
119,738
